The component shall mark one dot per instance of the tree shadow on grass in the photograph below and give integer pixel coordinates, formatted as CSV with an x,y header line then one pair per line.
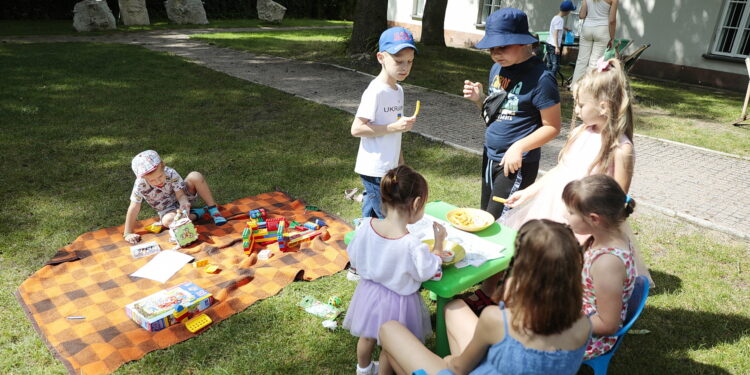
x,y
674,334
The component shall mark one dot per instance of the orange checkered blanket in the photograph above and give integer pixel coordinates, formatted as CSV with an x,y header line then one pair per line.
x,y
90,277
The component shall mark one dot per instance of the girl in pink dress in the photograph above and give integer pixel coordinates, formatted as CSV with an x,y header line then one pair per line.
x,y
602,144
597,207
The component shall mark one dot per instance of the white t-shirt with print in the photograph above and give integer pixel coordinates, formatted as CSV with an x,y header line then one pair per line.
x,y
558,24
382,105
159,198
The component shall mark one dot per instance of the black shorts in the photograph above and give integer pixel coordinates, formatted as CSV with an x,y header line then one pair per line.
x,y
494,183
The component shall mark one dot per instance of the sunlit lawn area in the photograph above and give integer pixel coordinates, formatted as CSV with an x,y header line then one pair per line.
x,y
697,116
73,115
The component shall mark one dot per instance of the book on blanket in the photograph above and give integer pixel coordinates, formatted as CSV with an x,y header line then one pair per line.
x,y
155,312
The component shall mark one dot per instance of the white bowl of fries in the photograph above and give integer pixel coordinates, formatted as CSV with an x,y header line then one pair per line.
x,y
470,219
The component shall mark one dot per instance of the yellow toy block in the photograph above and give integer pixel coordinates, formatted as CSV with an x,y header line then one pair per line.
x,y
252,223
197,323
212,269
200,263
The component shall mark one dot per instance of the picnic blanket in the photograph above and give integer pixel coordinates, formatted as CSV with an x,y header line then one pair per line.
x,y
90,277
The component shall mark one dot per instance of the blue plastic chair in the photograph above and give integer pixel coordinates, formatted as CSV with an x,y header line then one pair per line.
x,y
635,307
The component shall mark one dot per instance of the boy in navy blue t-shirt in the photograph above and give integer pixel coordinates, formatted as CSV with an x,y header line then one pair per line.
x,y
529,116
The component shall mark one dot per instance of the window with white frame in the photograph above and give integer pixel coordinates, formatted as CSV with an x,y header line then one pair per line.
x,y
486,7
733,31
418,9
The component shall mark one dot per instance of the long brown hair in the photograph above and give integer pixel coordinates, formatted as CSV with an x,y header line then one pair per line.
x,y
612,87
400,187
545,290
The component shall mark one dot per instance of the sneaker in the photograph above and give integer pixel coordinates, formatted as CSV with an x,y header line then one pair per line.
x,y
370,370
359,198
350,193
352,275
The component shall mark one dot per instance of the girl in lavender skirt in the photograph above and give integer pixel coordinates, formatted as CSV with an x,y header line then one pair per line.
x,y
392,264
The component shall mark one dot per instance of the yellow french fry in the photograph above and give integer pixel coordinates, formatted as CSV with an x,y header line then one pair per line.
x,y
416,111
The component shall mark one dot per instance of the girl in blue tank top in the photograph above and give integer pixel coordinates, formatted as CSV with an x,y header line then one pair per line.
x,y
538,329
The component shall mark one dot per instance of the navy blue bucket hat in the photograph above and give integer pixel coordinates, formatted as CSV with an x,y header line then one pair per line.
x,y
504,27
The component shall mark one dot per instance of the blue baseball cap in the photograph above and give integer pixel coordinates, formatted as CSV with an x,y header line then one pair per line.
x,y
567,6
504,27
395,39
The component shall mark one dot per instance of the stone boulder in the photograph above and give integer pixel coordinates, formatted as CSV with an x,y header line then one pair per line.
x,y
186,11
90,15
270,11
134,12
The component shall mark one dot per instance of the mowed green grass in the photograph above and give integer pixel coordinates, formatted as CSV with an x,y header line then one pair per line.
x,y
73,116
682,113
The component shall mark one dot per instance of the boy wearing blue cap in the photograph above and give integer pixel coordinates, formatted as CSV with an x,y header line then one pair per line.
x,y
522,110
554,40
379,121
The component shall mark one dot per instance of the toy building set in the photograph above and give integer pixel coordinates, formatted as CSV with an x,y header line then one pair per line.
x,y
170,306
262,231
183,302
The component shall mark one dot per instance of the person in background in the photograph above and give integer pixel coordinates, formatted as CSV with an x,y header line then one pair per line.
x,y
556,36
597,34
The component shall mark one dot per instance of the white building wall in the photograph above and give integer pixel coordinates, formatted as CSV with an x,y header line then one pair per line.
x,y
680,31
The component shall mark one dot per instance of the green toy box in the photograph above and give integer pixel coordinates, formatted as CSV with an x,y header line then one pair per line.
x,y
155,312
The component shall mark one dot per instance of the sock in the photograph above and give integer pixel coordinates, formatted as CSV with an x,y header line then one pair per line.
x,y
363,369
216,215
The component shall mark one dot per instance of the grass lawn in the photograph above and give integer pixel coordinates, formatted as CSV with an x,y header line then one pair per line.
x,y
79,112
697,116
55,27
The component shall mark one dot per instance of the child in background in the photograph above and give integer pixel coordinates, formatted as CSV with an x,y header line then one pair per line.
x,y
525,120
392,264
539,329
597,206
556,33
166,192
379,121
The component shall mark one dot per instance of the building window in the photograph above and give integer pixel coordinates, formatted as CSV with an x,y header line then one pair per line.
x,y
485,8
418,9
733,31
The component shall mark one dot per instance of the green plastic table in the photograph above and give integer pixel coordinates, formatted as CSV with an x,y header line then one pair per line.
x,y
456,280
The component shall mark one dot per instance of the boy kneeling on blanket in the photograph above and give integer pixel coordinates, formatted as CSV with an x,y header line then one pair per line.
x,y
165,191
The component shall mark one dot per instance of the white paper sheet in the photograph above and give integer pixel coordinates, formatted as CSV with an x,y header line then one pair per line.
x,y
478,250
161,267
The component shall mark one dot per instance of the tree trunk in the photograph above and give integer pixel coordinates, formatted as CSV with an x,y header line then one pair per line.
x,y
433,20
369,22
